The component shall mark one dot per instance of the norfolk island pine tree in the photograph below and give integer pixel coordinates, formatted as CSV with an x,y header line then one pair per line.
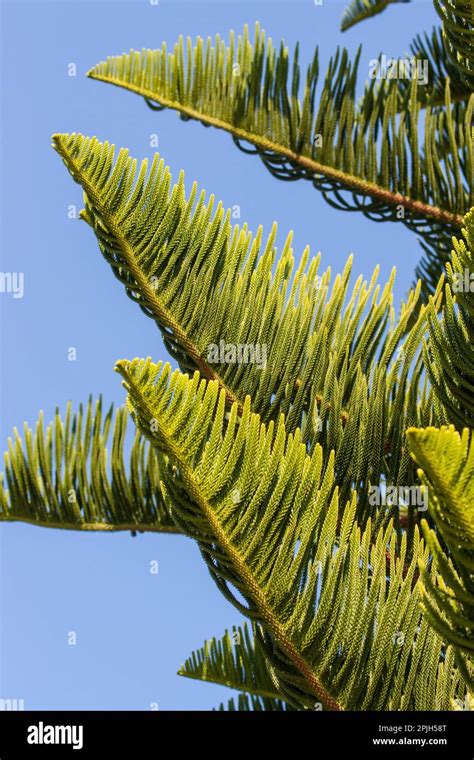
x,y
352,605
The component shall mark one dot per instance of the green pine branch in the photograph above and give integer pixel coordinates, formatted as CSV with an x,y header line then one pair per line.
x,y
237,661
432,48
447,462
429,53
252,91
359,10
339,365
458,32
449,351
265,516
73,475
252,703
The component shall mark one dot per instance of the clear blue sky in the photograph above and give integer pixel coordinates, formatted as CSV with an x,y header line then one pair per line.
x,y
133,628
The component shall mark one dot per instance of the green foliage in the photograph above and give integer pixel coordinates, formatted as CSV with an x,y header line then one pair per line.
x,y
265,515
267,464
449,353
447,461
340,366
430,50
63,477
251,703
458,32
437,248
359,10
236,661
390,167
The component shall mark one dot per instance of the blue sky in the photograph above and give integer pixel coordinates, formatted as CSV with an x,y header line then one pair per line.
x,y
133,628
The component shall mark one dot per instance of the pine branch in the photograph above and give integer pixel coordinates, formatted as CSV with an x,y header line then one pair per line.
x,y
334,362
64,477
249,91
359,10
432,48
265,516
437,244
251,703
436,66
449,351
236,661
458,33
447,462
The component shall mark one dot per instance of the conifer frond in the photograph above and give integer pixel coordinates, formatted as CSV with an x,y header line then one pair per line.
x,y
449,352
436,65
359,10
446,459
64,476
334,365
458,32
265,516
237,661
432,48
251,703
252,91
437,244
